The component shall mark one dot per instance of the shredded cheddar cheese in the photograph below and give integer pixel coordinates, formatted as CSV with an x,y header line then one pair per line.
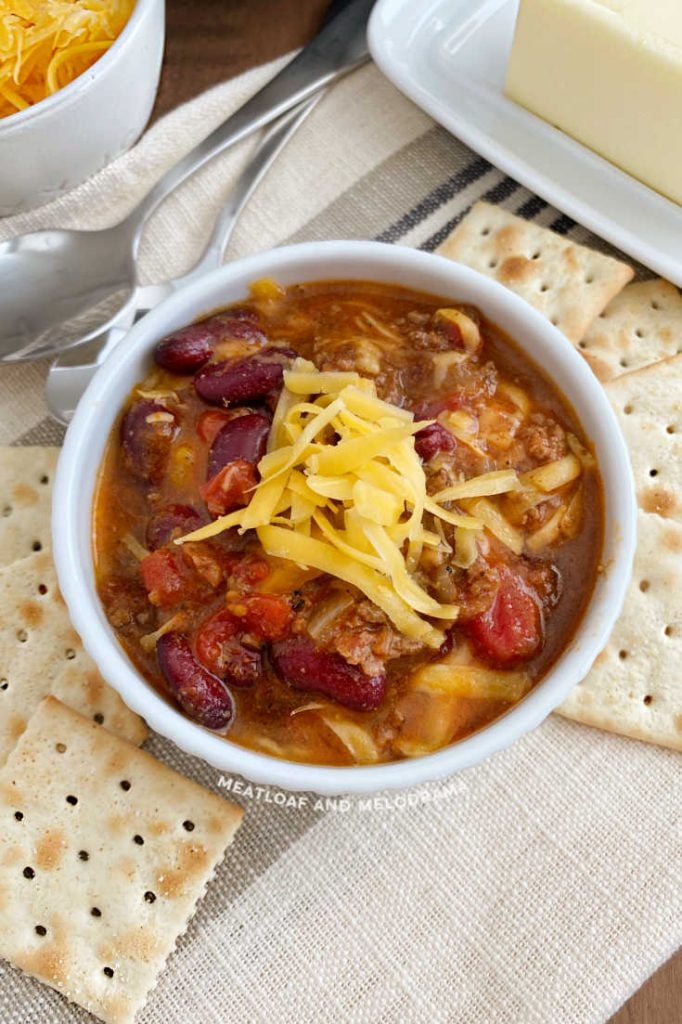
x,y
45,44
343,491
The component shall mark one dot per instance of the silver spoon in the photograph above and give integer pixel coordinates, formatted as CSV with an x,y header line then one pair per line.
x,y
60,287
73,370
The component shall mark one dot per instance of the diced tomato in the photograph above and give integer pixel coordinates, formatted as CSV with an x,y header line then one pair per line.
x,y
164,578
229,488
212,422
511,630
267,615
219,648
211,638
248,569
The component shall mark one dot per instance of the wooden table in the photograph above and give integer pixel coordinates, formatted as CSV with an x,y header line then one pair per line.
x,y
213,40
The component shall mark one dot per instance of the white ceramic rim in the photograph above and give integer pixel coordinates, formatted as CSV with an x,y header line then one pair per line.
x,y
98,409
83,81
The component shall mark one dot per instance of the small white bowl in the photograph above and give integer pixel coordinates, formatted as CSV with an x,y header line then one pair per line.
x,y
129,363
56,144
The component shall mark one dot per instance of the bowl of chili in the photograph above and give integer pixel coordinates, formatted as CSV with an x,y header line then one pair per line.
x,y
343,517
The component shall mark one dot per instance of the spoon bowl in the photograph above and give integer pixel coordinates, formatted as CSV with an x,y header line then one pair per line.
x,y
62,286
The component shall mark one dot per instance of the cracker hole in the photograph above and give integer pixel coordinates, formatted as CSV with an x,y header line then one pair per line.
x,y
582,344
627,409
42,589
109,971
589,279
492,264
44,479
188,826
125,785
99,718
95,912
654,304
644,586
669,631
485,232
22,636
41,930
83,855
648,699
29,873
536,255
139,840
4,684
37,546
69,654
18,815
60,748
555,321
624,363
622,655
7,511
73,800
670,429
653,472
149,896
544,287
639,333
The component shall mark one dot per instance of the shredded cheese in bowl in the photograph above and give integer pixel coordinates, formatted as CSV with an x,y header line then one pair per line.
x,y
343,490
45,44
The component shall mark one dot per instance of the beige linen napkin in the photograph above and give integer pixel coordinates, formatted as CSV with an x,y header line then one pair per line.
x,y
539,888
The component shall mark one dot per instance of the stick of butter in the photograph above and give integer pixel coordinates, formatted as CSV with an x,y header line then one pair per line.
x,y
609,73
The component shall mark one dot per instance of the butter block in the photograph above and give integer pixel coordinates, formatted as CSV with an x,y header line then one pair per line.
x,y
608,73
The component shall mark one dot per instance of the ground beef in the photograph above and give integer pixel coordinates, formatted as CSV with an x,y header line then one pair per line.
x,y
361,634
544,439
365,637
127,605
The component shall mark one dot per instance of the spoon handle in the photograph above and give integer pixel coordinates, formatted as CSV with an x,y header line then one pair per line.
x,y
268,150
340,46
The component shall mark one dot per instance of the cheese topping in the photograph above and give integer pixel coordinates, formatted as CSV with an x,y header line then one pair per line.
x,y
45,44
343,490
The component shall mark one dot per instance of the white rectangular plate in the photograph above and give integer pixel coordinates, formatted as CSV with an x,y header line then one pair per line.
x,y
450,57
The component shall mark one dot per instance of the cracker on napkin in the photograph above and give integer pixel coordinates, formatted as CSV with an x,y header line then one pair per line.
x,y
41,653
569,283
104,852
25,497
640,326
635,686
648,403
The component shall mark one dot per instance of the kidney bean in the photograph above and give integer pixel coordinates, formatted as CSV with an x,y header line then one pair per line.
x,y
147,432
247,379
432,439
163,523
200,694
304,667
244,437
186,350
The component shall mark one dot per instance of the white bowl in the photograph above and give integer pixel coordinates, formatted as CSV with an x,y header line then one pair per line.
x,y
56,144
129,363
